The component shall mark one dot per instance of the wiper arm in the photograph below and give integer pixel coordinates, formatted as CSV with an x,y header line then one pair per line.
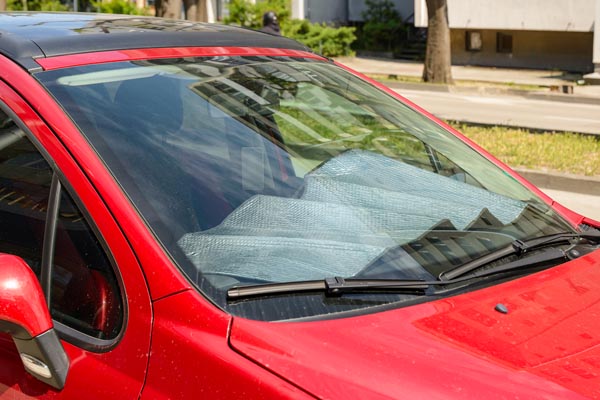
x,y
546,256
333,287
517,247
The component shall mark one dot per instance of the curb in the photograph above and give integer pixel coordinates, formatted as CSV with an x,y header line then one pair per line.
x,y
534,95
563,182
569,98
531,129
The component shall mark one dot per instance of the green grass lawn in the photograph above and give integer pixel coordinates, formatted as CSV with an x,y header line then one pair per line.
x,y
558,152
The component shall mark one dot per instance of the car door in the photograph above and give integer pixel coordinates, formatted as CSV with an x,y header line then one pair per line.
x,y
52,217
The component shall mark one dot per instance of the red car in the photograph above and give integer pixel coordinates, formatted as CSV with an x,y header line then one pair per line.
x,y
197,211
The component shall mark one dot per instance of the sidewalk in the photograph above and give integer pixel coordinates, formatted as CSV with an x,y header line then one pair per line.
x,y
551,82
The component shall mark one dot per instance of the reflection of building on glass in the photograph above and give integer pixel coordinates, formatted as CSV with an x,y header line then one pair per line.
x,y
24,175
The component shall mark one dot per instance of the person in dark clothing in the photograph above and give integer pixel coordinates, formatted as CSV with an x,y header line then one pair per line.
x,y
270,24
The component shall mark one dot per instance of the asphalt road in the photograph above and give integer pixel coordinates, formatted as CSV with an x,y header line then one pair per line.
x,y
523,112
509,110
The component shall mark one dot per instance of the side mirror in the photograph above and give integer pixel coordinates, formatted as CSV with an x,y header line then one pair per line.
x,y
25,316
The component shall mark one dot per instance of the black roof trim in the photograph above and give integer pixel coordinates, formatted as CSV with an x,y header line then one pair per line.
x,y
27,36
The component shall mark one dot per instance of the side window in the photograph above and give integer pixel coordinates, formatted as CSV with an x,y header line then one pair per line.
x,y
25,179
83,290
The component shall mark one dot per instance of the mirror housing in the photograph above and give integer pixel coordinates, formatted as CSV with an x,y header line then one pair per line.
x,y
25,316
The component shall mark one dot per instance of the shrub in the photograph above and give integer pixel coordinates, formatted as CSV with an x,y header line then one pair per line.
x,y
248,15
322,38
382,25
36,5
119,7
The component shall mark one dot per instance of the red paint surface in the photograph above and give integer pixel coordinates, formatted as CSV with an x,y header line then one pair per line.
x,y
125,365
191,358
74,60
547,346
22,301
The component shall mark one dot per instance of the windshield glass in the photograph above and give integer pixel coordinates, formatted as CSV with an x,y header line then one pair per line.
x,y
256,169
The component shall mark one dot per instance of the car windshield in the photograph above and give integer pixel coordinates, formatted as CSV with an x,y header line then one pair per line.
x,y
254,170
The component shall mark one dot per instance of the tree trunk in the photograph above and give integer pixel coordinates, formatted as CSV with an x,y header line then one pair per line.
x,y
191,9
2,5
168,9
437,67
195,10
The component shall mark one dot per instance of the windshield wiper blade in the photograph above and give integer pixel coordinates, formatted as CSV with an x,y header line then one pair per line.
x,y
545,257
334,286
518,248
337,286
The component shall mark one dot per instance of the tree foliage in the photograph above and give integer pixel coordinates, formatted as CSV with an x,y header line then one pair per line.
x,y
119,7
382,25
36,5
322,38
248,15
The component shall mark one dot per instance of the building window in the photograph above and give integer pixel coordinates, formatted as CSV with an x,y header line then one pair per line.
x,y
473,41
504,43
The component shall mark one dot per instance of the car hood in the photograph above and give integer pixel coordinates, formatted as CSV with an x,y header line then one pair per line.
x,y
545,347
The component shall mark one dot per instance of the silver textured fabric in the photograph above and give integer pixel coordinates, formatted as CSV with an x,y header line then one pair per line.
x,y
378,171
353,208
276,259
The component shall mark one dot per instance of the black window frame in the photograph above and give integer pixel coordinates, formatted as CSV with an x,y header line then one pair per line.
x,y
60,183
471,44
504,43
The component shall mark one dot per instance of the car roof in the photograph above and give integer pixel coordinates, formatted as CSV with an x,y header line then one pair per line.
x,y
25,36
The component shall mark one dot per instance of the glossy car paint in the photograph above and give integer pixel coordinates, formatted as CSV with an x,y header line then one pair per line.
x,y
192,358
74,60
453,348
22,301
545,347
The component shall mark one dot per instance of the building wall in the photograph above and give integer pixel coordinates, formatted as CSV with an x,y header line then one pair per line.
x,y
406,8
531,15
342,11
326,11
571,51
